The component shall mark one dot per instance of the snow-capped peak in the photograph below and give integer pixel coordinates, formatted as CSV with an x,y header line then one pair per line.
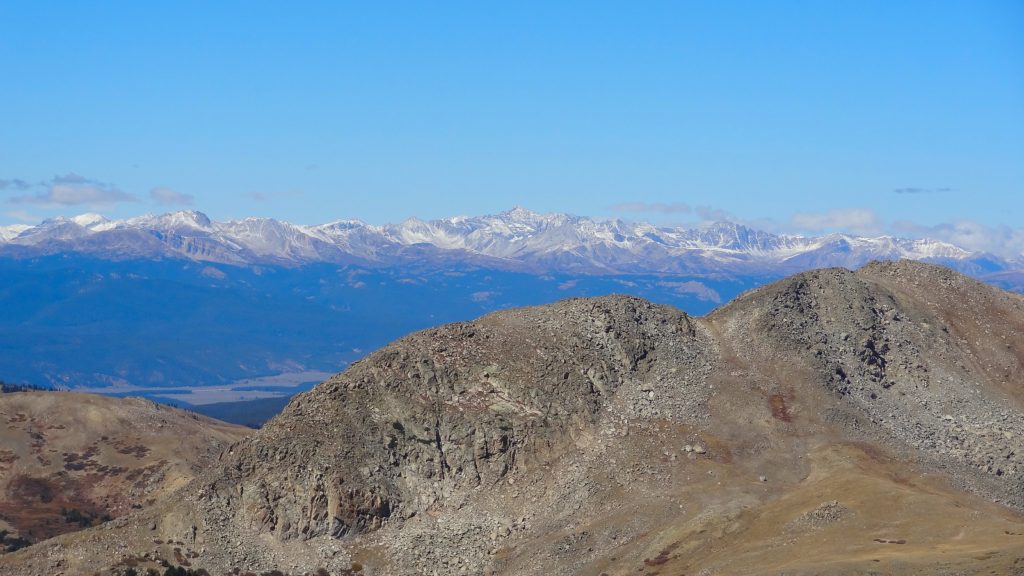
x,y
520,214
172,220
12,231
90,220
552,242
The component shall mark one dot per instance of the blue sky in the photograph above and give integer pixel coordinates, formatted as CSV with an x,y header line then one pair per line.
x,y
869,116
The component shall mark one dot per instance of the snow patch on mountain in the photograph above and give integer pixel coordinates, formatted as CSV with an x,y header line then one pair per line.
x,y
91,221
12,231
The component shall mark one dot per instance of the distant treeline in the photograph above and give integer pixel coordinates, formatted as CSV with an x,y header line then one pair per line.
x,y
5,388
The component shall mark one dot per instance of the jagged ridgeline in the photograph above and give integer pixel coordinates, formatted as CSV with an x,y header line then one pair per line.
x,y
834,422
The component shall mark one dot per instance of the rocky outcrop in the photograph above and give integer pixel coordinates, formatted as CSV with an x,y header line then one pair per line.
x,y
919,355
442,412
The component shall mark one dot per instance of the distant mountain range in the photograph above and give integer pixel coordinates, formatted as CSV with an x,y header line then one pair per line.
x,y
176,301
517,239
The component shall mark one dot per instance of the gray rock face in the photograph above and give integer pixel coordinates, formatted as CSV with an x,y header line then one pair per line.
x,y
905,346
444,411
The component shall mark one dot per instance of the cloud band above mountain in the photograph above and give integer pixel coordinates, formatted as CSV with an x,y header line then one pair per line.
x,y
69,190
167,197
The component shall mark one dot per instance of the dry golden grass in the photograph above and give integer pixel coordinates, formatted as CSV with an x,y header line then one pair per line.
x,y
95,455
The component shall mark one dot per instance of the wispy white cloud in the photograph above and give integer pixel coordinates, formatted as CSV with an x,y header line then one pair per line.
x,y
23,216
15,184
652,207
856,220
1002,241
73,190
166,196
268,196
919,190
711,214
